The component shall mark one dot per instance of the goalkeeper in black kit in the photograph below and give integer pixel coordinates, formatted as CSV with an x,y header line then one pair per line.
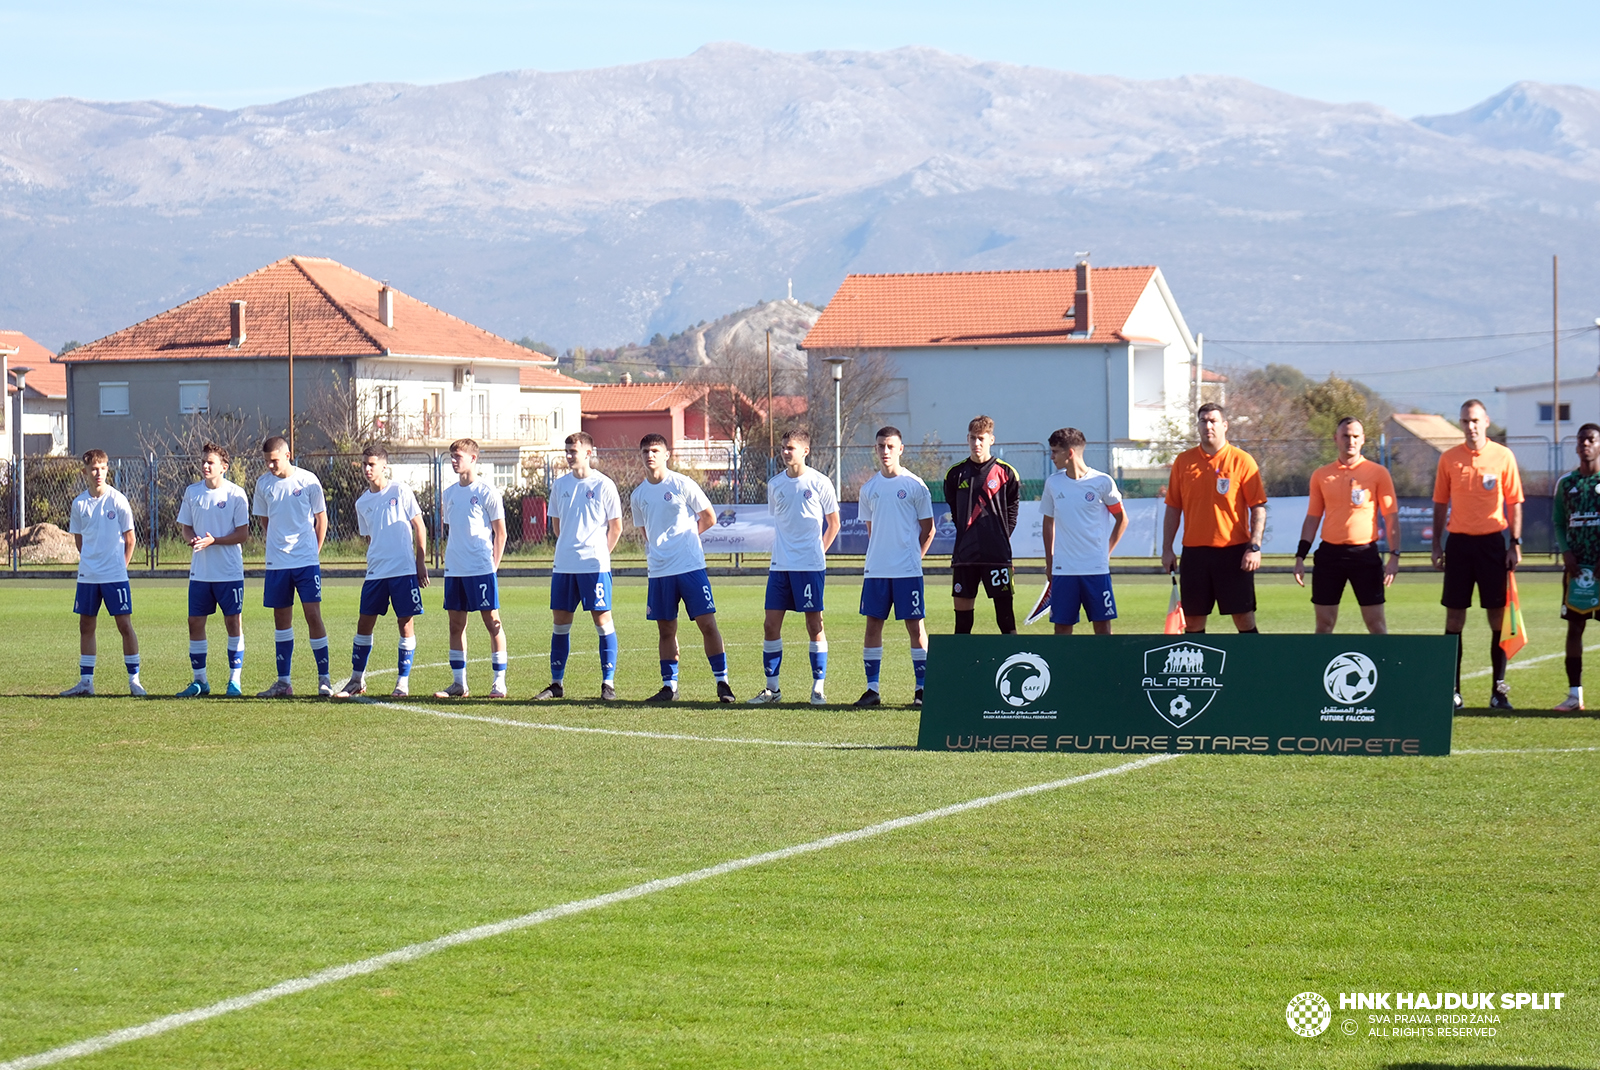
x,y
983,493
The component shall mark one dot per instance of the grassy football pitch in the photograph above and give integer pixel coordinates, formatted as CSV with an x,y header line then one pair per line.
x,y
161,856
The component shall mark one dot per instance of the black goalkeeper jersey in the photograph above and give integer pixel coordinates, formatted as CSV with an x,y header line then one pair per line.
x,y
983,500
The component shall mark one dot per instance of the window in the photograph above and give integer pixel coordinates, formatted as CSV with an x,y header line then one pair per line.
x,y
1544,412
555,420
194,396
113,399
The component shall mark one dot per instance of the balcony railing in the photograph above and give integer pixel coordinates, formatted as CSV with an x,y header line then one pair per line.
x,y
436,427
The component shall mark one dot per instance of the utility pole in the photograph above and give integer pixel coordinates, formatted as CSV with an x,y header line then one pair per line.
x,y
1555,360
290,299
771,441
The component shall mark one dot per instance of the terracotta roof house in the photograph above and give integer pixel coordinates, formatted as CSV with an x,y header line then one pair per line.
x,y
697,418
1105,350
1415,441
44,409
422,376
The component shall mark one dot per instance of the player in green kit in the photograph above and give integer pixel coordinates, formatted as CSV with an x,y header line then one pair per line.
x,y
1576,518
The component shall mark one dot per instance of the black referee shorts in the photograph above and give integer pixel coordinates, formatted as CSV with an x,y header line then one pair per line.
x,y
1474,561
1333,564
1210,575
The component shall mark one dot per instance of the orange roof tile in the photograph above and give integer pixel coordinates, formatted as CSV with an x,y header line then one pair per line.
x,y
966,308
335,315
641,397
46,377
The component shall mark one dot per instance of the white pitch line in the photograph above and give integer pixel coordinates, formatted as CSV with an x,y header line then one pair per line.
x,y
412,952
1530,750
1515,664
637,734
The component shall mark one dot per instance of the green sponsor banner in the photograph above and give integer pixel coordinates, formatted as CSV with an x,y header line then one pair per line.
x,y
1226,694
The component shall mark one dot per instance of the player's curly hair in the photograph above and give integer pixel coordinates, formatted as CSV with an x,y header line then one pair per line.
x,y
211,447
94,457
980,425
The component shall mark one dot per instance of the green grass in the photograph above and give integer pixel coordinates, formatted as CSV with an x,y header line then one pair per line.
x,y
162,855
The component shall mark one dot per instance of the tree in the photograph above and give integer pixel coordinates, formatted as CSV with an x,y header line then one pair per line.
x,y
345,416
538,347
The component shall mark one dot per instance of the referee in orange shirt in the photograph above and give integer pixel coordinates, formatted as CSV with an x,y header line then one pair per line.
x,y
1479,487
1216,490
1347,498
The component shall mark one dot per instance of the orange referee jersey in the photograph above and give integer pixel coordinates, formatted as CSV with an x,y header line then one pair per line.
x,y
1349,499
1477,486
1216,494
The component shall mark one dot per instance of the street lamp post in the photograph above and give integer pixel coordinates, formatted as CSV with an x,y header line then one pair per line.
x,y
19,443
837,364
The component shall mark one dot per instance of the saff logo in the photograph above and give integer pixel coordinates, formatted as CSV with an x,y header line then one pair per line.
x,y
667,497
222,505
1088,495
1182,679
994,482
900,494
808,494
1022,679
297,491
1350,678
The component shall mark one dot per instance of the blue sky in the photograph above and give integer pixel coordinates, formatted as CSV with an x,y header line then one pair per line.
x,y
1414,58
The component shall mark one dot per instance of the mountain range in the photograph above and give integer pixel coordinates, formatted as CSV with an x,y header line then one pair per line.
x,y
603,206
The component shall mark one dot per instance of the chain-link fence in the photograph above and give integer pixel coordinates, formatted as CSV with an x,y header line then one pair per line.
x,y
154,486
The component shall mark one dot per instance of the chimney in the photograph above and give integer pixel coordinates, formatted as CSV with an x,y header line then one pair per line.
x,y
627,378
1083,303
236,323
386,304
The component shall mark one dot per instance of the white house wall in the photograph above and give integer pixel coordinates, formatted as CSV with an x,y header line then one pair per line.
x,y
1028,390
1523,425
531,417
1152,318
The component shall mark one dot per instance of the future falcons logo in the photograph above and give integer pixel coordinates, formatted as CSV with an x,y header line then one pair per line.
x,y
1182,679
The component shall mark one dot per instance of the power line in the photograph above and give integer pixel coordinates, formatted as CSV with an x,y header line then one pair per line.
x,y
1389,341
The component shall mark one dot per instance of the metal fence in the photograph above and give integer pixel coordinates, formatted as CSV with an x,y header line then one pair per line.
x,y
154,484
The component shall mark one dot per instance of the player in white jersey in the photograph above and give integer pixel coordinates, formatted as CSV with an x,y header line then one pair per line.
x,y
807,512
215,521
586,515
294,523
102,526
388,517
1083,522
476,518
898,510
673,511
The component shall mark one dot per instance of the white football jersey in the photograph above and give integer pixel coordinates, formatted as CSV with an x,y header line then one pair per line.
x,y
894,507
384,516
1082,509
800,507
585,508
470,513
667,511
218,513
102,521
289,504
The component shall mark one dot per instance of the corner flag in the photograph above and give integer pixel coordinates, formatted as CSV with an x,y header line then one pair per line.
x,y
1041,607
1515,636
1175,622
